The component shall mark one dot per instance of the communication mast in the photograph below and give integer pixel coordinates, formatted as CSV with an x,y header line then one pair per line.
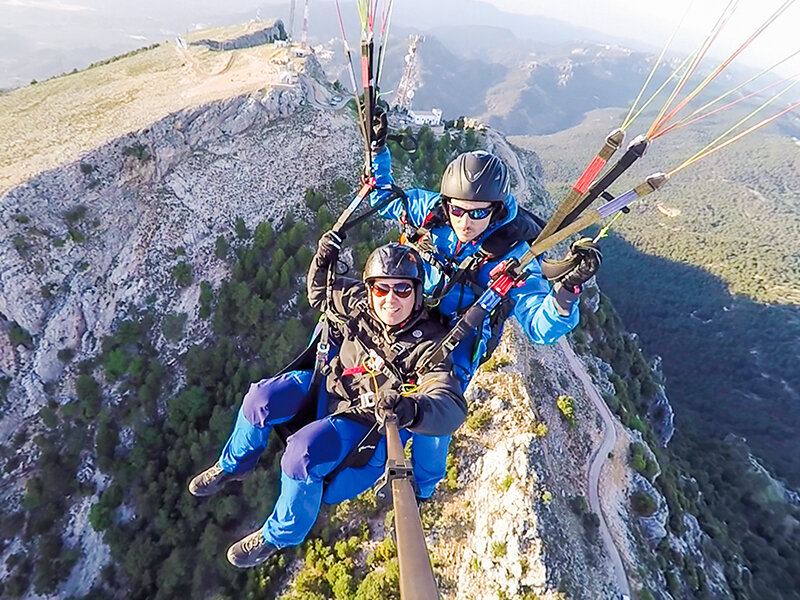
x,y
410,79
305,26
290,31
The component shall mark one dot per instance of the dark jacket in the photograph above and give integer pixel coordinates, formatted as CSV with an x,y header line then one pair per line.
x,y
440,405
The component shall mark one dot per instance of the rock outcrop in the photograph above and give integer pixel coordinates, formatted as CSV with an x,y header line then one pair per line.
x,y
662,417
265,35
654,526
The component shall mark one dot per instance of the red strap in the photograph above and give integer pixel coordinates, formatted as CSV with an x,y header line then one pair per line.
x,y
354,370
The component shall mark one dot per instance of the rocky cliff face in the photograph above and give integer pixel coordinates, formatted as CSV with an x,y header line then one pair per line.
x,y
265,34
84,243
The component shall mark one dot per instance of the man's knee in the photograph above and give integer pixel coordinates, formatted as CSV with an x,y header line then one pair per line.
x,y
275,400
255,406
312,451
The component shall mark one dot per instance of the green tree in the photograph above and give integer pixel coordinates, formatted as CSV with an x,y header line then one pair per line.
x,y
182,272
221,247
241,229
263,236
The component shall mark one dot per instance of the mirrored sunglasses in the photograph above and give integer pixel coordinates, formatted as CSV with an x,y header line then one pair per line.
x,y
401,290
476,214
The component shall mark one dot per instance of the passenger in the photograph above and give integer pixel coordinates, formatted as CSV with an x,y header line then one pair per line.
x,y
387,332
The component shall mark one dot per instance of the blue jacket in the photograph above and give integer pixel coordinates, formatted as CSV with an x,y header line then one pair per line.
x,y
543,318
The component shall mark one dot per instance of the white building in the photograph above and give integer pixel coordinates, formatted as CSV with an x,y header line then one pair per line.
x,y
432,118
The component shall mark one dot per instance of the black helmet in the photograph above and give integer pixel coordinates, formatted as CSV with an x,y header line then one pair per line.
x,y
396,261
476,176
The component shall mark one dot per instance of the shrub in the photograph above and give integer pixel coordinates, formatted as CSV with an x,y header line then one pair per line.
x,y
578,504
221,248
18,336
643,504
314,200
240,227
494,363
478,419
505,483
499,549
76,236
641,462
566,404
206,298
21,246
137,151
66,354
76,214
451,477
182,272
173,326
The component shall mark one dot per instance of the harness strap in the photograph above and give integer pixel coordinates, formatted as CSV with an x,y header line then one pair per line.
x,y
359,456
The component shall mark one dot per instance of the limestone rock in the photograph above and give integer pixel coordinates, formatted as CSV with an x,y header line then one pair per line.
x,y
9,362
653,527
661,417
64,330
264,35
691,544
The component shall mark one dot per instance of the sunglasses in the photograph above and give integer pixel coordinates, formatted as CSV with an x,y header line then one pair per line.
x,y
401,290
476,214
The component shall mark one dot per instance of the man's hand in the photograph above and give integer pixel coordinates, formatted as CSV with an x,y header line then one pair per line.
x,y
587,257
328,248
380,129
405,407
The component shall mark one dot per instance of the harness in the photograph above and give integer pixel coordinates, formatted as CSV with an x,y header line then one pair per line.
x,y
330,331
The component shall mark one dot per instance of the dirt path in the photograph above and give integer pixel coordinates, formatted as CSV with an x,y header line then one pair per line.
x,y
598,460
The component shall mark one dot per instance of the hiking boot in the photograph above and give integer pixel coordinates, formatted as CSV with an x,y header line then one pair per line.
x,y
250,551
212,480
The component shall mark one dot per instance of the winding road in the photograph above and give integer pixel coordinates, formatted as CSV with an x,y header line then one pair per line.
x,y
598,460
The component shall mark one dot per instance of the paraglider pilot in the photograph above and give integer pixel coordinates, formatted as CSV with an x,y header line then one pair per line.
x,y
387,332
464,232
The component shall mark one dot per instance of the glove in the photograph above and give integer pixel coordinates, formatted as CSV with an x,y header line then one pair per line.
x,y
328,247
380,130
586,256
405,407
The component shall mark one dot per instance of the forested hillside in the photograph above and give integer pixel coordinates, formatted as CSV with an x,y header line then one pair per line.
x,y
751,519
707,270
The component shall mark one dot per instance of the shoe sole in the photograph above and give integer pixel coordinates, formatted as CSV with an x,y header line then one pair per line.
x,y
198,493
249,565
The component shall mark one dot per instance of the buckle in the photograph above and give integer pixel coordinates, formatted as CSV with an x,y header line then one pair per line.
x,y
367,400
375,362
322,354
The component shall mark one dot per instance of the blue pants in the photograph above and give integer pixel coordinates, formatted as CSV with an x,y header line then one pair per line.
x,y
312,453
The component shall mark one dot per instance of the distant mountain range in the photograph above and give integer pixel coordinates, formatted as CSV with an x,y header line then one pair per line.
x,y
91,30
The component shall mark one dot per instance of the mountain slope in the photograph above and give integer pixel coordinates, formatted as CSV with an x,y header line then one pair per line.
x,y
729,289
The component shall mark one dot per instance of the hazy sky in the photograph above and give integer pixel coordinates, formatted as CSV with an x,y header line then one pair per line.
x,y
655,20
40,38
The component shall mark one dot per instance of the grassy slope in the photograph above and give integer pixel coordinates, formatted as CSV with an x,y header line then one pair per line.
x,y
54,122
714,290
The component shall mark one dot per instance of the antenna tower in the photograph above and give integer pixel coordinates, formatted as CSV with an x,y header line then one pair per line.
x,y
410,79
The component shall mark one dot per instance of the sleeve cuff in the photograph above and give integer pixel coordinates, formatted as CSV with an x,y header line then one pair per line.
x,y
564,299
